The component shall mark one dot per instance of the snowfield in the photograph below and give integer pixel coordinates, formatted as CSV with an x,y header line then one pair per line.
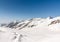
x,y
33,30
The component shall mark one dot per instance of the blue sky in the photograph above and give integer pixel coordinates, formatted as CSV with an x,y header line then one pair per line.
x,y
25,9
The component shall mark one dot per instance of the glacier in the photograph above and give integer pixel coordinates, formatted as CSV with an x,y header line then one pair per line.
x,y
32,30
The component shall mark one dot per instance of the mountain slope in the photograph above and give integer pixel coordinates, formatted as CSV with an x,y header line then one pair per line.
x,y
32,30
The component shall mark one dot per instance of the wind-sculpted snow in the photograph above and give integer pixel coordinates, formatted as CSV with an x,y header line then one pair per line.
x,y
32,30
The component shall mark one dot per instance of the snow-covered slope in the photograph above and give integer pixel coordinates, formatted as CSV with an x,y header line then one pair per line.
x,y
32,30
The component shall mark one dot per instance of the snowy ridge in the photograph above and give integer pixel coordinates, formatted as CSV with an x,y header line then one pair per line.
x,y
26,23
32,30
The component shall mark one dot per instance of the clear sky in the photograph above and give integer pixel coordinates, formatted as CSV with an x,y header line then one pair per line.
x,y
24,9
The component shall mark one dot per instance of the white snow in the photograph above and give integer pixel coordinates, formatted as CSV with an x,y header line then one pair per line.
x,y
41,32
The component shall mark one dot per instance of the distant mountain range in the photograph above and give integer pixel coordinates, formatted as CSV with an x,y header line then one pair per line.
x,y
31,23
32,30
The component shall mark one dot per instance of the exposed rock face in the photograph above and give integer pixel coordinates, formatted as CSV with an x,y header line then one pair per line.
x,y
54,22
12,24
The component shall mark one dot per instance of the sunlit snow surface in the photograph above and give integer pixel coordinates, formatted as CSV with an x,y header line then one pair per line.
x,y
43,32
